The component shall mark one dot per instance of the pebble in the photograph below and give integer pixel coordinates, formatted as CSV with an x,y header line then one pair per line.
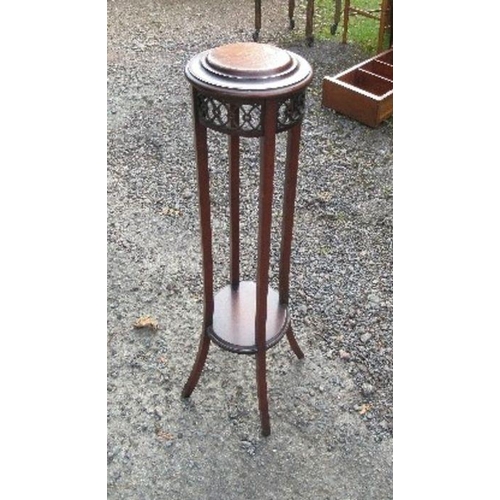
x,y
344,354
367,389
366,337
248,446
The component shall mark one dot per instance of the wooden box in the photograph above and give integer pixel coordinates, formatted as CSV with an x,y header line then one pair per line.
x,y
363,92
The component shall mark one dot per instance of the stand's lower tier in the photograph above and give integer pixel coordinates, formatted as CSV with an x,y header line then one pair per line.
x,y
233,326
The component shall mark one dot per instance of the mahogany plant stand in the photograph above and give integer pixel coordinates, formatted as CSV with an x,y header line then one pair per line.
x,y
251,90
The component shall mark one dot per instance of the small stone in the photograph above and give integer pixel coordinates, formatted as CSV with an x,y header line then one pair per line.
x,y
367,389
249,447
366,337
344,354
373,298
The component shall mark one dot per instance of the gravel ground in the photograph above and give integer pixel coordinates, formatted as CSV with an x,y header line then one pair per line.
x,y
331,413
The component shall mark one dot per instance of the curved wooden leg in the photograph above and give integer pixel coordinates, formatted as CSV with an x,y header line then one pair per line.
x,y
293,343
291,167
262,393
267,156
198,365
200,138
292,162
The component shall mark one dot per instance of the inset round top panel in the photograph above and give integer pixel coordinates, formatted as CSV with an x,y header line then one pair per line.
x,y
233,325
249,68
253,60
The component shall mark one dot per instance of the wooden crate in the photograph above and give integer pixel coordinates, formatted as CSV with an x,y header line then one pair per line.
x,y
363,92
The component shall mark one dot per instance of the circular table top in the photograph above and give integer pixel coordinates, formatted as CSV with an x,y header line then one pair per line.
x,y
233,325
257,69
252,60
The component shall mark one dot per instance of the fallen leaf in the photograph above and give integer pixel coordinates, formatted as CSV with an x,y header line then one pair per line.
x,y
146,322
365,407
164,436
171,212
324,196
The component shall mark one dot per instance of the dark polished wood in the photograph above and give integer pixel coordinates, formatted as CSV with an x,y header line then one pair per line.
x,y
201,148
290,188
291,10
267,154
253,90
234,194
267,72
260,363
293,343
258,19
310,22
249,60
199,363
234,318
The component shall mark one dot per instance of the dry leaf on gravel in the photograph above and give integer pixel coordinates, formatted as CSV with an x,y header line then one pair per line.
x,y
365,407
146,322
164,436
171,212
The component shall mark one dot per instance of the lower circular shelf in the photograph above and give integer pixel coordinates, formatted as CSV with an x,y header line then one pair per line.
x,y
233,325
